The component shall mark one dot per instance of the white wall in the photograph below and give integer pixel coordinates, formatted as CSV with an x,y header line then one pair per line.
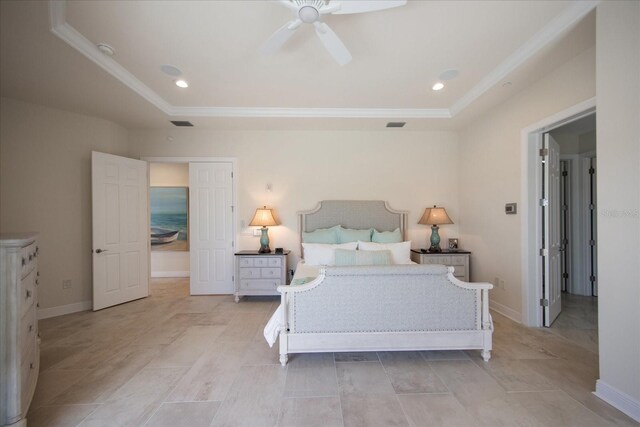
x,y
618,128
411,170
490,174
45,186
169,263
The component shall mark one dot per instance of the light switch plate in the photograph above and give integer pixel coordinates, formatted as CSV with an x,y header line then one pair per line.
x,y
511,208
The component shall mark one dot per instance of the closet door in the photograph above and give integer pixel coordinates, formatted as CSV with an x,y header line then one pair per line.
x,y
211,227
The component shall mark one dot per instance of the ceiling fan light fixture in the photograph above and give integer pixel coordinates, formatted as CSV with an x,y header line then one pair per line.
x,y
182,83
438,86
308,14
106,49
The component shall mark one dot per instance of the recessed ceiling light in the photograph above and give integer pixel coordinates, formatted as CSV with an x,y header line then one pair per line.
x,y
438,86
182,83
170,70
449,74
106,49
396,124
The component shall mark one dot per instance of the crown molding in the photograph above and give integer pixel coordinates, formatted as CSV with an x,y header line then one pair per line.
x,y
554,29
558,26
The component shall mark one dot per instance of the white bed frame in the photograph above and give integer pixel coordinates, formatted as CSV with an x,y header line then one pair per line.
x,y
359,214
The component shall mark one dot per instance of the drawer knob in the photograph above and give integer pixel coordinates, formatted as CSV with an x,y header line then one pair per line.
x,y
31,365
28,294
24,262
30,257
37,305
37,249
30,328
38,273
37,282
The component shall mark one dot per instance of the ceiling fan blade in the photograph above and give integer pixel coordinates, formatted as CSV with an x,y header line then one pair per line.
x,y
332,43
280,37
361,6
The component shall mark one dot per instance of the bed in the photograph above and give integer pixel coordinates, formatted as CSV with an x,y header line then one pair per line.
x,y
376,308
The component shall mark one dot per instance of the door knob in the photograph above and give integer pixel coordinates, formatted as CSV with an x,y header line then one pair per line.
x,y
99,251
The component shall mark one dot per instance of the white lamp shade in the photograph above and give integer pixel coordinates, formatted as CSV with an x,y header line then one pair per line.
x,y
435,216
263,218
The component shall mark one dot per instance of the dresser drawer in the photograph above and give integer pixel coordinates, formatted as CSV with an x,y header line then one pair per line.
x,y
458,260
28,331
259,285
248,273
245,262
28,261
260,262
26,295
459,271
28,377
270,272
444,260
274,262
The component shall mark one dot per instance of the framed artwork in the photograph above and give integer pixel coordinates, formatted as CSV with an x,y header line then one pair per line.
x,y
169,218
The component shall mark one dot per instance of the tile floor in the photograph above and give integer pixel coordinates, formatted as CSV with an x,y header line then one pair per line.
x,y
176,360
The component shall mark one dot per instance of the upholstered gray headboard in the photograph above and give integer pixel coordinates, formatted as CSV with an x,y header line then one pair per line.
x,y
356,214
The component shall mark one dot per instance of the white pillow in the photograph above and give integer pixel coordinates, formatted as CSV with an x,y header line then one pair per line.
x,y
324,254
400,252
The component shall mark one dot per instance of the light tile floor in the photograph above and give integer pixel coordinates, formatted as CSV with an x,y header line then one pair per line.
x,y
176,360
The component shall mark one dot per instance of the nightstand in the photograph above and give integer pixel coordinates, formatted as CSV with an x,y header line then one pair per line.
x,y
260,273
459,260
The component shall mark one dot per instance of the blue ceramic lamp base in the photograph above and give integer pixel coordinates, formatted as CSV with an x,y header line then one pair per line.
x,y
435,239
264,241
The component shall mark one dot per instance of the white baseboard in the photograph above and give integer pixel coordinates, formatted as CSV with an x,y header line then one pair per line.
x,y
505,311
159,274
45,313
618,399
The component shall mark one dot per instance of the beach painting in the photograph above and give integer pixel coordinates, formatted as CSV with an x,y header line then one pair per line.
x,y
169,218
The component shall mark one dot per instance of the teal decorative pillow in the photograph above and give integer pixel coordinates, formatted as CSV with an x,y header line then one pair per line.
x,y
347,235
386,236
322,235
348,257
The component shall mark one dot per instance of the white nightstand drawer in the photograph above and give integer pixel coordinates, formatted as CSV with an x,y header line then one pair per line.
x,y
458,260
459,271
249,273
260,262
437,259
274,262
270,272
260,285
245,262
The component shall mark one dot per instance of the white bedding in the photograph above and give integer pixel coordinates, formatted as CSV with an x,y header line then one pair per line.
x,y
274,325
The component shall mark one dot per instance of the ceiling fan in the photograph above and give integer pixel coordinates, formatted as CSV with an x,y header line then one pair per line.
x,y
311,12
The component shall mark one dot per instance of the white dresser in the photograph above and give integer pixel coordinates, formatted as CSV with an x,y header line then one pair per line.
x,y
260,274
459,260
20,344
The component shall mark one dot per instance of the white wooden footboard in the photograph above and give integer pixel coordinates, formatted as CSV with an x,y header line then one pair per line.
x,y
385,309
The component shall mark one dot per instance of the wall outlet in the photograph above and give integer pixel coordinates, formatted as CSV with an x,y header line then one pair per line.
x,y
66,284
502,284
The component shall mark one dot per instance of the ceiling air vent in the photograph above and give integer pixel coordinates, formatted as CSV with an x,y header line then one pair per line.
x,y
181,123
396,124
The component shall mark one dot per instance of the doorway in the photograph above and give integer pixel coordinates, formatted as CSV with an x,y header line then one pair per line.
x,y
203,191
543,246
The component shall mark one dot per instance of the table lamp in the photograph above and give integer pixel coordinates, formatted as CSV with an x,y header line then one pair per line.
x,y
263,217
435,216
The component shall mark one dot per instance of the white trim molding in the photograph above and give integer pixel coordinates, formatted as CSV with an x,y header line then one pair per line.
x,y
505,311
552,31
173,274
61,310
618,399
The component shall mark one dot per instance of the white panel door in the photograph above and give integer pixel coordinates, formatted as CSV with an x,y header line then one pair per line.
x,y
553,238
211,227
120,230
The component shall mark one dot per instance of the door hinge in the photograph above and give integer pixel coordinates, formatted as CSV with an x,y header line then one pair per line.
x,y
592,206
544,152
592,278
231,208
231,174
233,278
544,252
544,202
565,207
592,171
544,302
565,241
592,242
565,173
565,275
